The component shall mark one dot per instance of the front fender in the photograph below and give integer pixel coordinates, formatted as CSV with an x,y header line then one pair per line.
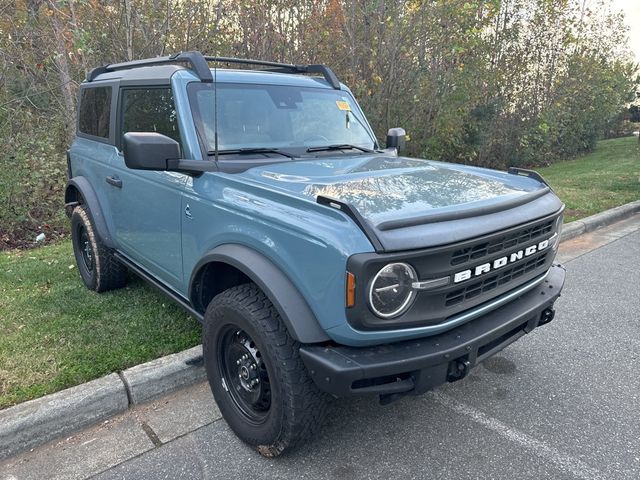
x,y
287,299
80,186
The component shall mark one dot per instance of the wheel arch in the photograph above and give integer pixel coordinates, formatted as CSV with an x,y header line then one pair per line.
x,y
231,264
80,191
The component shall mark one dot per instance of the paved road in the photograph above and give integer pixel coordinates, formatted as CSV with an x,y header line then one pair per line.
x,y
563,402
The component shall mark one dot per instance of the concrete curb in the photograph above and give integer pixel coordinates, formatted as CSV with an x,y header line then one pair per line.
x,y
38,421
152,379
35,422
599,220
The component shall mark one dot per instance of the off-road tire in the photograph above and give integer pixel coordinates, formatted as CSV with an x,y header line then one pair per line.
x,y
105,272
297,408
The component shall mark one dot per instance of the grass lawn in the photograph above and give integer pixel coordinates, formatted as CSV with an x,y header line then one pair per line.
x,y
56,333
606,178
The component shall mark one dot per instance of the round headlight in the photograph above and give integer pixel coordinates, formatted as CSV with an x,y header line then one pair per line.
x,y
391,292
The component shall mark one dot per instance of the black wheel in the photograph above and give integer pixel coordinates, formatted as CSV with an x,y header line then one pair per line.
x,y
255,372
99,269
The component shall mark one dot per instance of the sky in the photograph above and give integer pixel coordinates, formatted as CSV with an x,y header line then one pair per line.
x,y
631,9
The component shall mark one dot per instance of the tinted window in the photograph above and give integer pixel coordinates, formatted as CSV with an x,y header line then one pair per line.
x,y
95,111
149,110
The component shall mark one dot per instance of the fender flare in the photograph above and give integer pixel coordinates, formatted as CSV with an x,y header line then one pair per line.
x,y
91,200
284,295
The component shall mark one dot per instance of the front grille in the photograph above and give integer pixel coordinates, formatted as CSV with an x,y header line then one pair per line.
x,y
437,305
493,281
479,251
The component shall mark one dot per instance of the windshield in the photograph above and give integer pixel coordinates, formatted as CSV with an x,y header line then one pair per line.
x,y
277,117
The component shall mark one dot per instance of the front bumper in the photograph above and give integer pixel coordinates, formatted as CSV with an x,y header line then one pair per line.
x,y
415,366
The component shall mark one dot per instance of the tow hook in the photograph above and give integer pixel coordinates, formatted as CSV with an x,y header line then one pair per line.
x,y
546,316
458,369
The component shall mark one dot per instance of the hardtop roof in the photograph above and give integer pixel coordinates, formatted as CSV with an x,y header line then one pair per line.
x,y
160,69
161,75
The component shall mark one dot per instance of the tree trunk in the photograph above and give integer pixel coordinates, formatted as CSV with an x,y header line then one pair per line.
x,y
64,73
128,25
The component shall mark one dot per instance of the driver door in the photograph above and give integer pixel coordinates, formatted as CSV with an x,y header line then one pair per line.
x,y
146,205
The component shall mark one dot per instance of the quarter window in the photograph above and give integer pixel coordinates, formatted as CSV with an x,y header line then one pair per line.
x,y
95,111
150,110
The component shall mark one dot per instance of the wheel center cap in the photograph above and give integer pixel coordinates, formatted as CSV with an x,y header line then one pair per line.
x,y
244,371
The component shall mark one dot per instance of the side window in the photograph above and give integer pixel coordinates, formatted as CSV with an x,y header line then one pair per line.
x,y
149,110
95,111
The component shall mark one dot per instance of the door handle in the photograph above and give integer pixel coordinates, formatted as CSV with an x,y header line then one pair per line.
x,y
115,181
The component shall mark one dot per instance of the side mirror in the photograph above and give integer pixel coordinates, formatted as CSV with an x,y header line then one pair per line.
x,y
149,151
396,138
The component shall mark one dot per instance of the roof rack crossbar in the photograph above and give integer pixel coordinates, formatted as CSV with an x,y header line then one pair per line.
x,y
199,64
195,59
247,61
326,72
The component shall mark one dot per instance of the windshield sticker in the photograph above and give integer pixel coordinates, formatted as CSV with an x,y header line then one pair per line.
x,y
343,105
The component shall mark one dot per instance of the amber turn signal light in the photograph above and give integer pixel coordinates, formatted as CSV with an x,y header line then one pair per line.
x,y
351,290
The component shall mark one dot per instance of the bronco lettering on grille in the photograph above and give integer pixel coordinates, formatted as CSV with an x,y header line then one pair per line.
x,y
500,262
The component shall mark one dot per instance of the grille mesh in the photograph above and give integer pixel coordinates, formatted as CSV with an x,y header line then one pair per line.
x,y
481,250
496,280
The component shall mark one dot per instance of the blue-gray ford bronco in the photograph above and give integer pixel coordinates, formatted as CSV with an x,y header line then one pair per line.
x,y
320,264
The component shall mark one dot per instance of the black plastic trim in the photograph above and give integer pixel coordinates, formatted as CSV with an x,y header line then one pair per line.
x,y
354,214
159,82
524,172
454,231
199,65
191,167
285,296
428,361
197,61
95,211
326,72
160,286
462,212
69,172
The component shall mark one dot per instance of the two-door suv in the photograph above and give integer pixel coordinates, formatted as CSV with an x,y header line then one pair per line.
x,y
319,263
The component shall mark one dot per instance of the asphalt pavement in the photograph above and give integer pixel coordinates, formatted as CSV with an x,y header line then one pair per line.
x,y
562,402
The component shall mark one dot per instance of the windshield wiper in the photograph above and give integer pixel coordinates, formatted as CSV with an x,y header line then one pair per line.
x,y
341,146
247,151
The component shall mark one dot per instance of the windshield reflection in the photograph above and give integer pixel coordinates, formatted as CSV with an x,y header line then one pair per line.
x,y
289,118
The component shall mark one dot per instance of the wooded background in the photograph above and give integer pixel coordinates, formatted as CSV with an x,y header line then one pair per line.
x,y
486,82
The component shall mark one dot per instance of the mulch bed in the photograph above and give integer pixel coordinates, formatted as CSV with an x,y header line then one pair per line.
x,y
23,237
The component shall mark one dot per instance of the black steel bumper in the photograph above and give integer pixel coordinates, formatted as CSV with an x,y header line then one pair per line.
x,y
416,366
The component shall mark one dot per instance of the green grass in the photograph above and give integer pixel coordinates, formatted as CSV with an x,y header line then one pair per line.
x,y
605,178
56,333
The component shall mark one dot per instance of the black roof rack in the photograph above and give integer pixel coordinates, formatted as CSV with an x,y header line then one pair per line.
x,y
195,59
199,64
326,72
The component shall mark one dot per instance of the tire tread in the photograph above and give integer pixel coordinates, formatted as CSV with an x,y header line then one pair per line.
x,y
306,406
110,274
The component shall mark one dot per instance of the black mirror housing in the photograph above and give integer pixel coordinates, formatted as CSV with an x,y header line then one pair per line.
x,y
396,138
149,150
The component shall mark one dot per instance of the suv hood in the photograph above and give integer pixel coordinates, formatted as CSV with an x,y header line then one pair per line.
x,y
398,197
